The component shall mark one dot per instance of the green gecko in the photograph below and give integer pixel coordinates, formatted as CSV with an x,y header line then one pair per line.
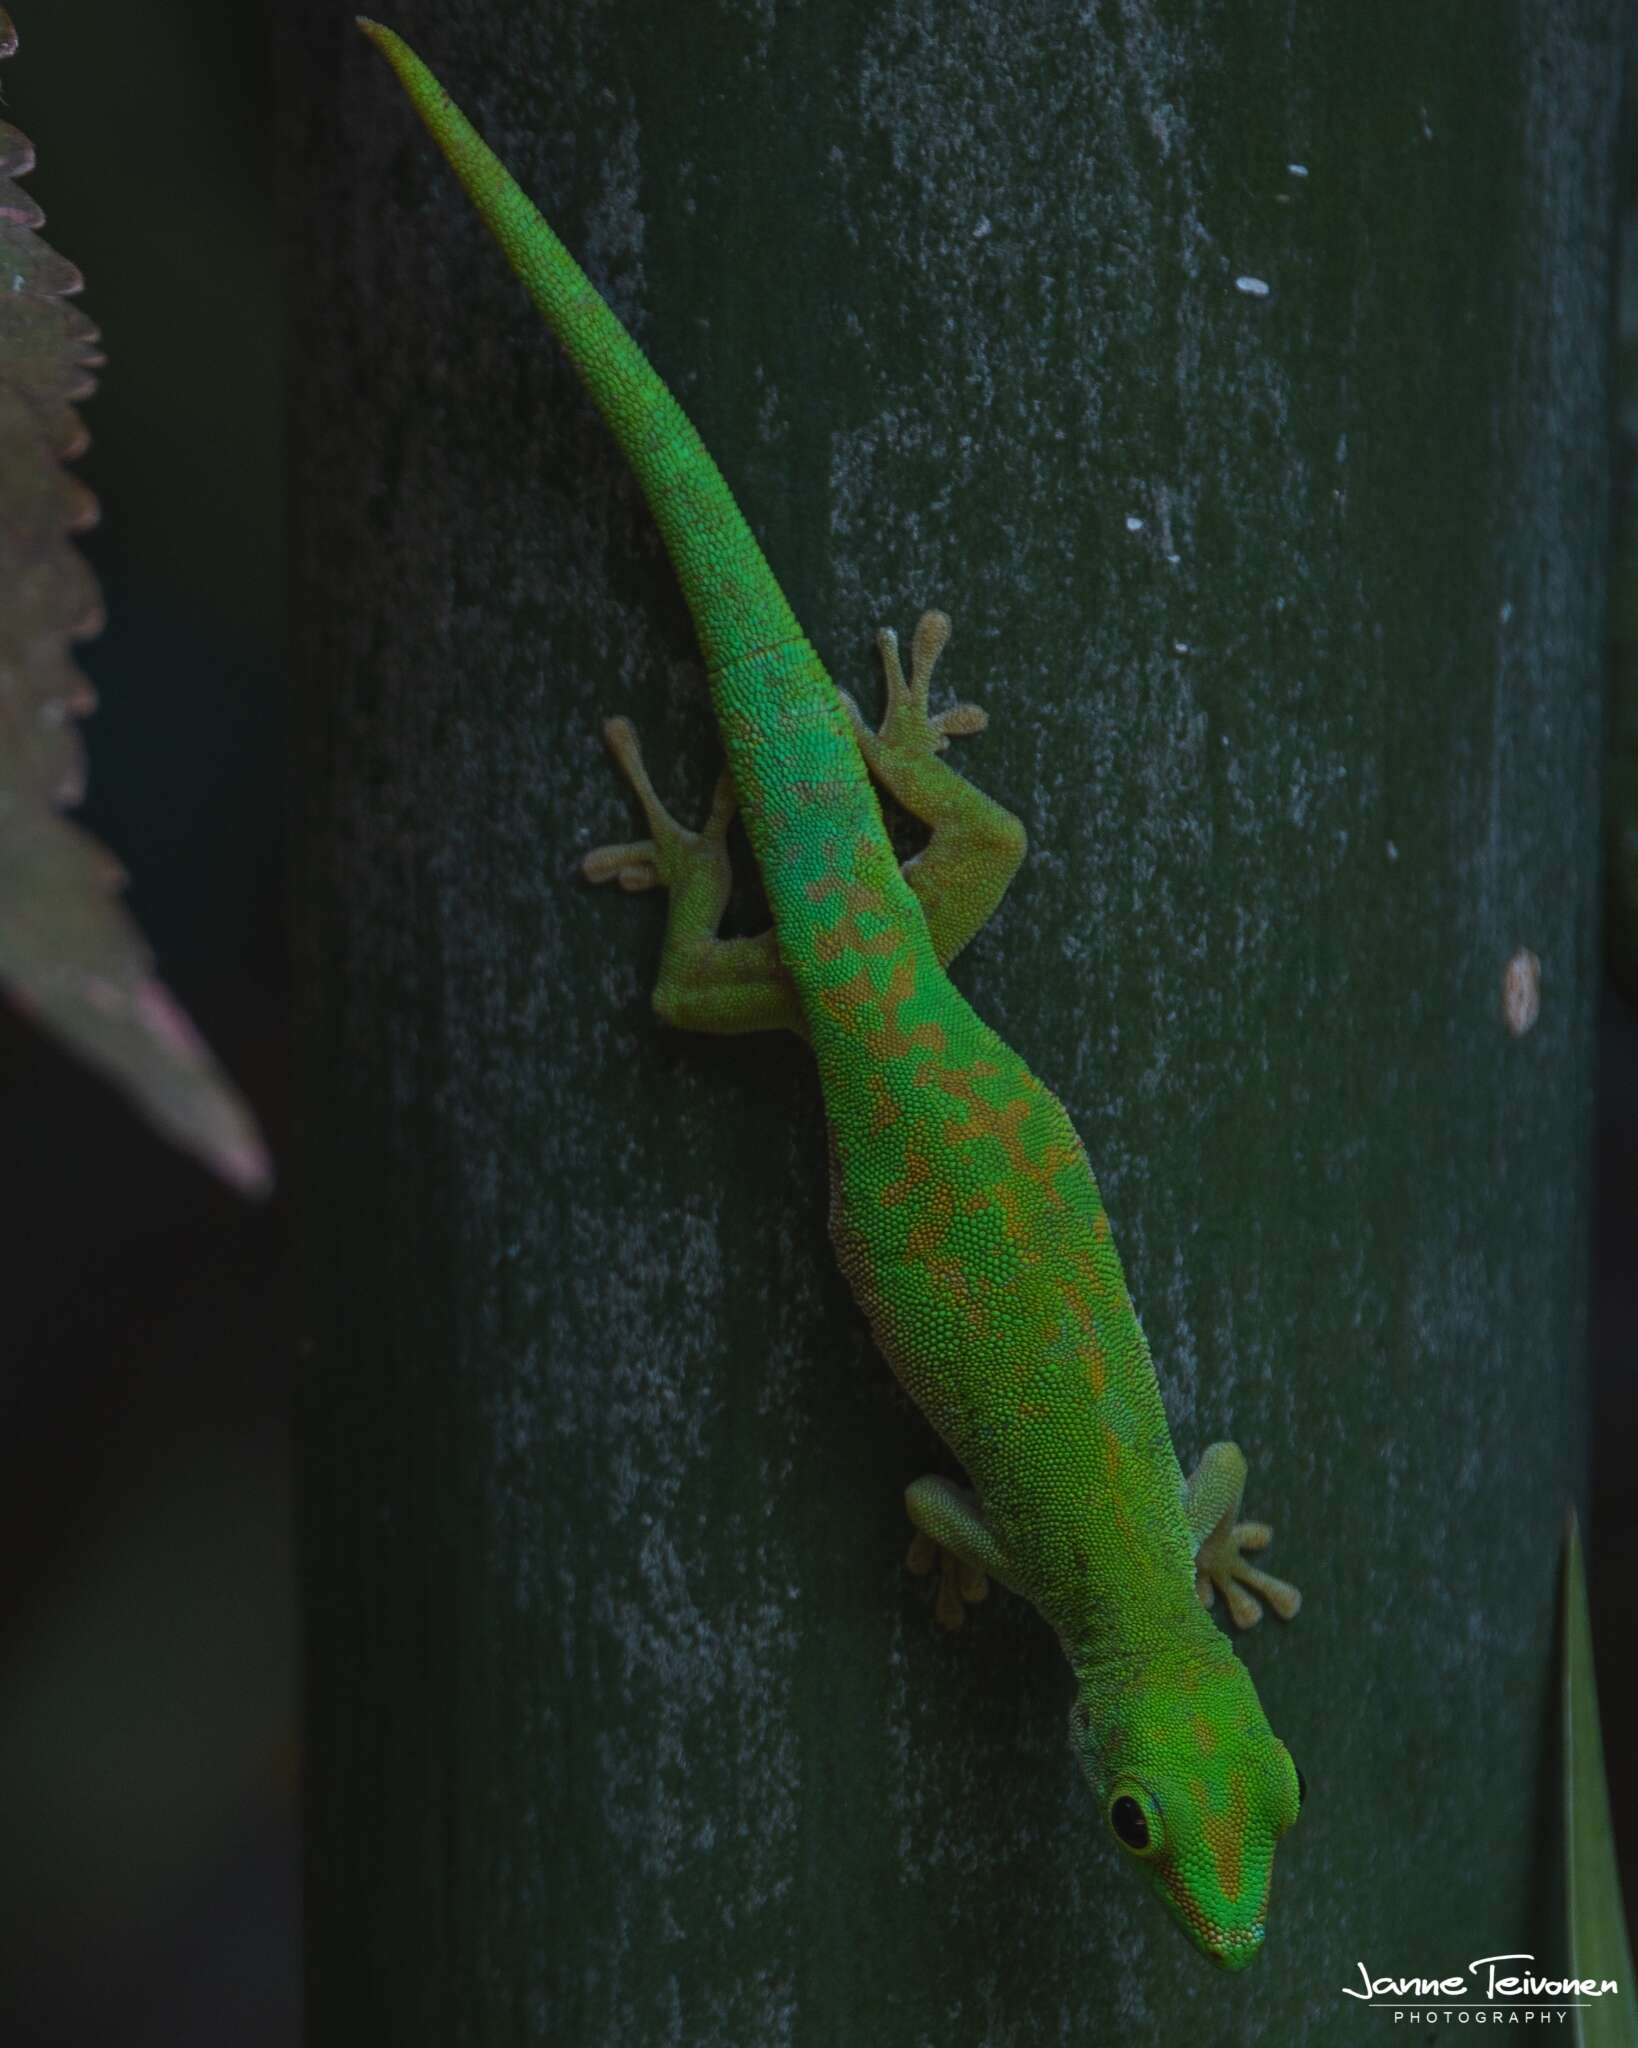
x,y
963,1210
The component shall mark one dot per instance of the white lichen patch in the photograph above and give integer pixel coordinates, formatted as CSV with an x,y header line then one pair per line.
x,y
1521,992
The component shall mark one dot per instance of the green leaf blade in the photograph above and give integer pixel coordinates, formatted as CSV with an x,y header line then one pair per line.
x,y
1597,1921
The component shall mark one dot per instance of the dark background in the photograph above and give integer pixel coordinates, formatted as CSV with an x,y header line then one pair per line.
x,y
149,1748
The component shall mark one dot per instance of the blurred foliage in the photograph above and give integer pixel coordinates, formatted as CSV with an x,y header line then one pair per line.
x,y
71,956
1592,1880
147,1696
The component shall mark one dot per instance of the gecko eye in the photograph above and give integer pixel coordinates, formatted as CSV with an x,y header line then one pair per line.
x,y
1135,1818
1126,1818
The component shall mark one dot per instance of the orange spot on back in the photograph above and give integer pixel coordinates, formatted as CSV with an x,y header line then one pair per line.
x,y
930,1231
916,1171
1111,1453
953,1277
1001,1121
1007,1197
847,934
845,999
883,1109
847,1002
1087,1267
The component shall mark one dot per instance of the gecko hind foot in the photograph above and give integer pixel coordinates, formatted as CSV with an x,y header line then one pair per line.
x,y
975,844
908,728
705,982
1221,1564
657,862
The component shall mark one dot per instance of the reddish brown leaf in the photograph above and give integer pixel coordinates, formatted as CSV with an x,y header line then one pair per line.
x,y
71,956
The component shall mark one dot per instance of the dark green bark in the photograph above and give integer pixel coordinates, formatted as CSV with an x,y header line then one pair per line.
x,y
1270,506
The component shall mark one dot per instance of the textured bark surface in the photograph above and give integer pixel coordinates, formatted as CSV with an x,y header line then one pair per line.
x,y
1238,381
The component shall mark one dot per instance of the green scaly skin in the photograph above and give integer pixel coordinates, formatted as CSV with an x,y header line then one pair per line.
x,y
964,1212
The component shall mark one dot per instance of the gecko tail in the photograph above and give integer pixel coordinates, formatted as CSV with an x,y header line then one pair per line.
x,y
805,796
736,603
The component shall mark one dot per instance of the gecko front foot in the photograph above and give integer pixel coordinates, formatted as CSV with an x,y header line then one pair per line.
x,y
960,1585
1211,1502
1220,1563
953,1537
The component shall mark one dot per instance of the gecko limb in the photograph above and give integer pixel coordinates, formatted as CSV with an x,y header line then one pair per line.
x,y
962,873
952,1537
709,983
1211,1502
705,982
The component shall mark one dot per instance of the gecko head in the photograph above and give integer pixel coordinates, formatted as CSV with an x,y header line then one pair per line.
x,y
1196,1788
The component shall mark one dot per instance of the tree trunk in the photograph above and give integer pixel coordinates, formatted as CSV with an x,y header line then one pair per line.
x,y
1237,379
